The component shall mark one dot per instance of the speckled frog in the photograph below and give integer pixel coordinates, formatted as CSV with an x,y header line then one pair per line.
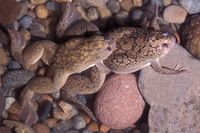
x,y
75,55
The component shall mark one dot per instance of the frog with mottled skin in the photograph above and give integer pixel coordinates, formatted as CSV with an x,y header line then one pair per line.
x,y
75,55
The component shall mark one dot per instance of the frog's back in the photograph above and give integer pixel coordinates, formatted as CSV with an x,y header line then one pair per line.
x,y
135,48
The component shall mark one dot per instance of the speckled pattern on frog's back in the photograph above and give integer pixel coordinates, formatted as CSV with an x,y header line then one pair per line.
x,y
79,54
135,48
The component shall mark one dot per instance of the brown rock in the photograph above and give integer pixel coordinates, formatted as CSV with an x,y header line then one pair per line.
x,y
41,11
2,103
92,14
86,118
137,3
174,99
50,122
113,6
93,127
127,5
38,2
9,9
40,128
119,104
104,128
167,2
174,14
4,58
13,117
122,18
100,3
104,13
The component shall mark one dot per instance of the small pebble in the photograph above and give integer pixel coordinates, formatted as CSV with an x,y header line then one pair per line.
x,y
158,2
24,9
122,18
137,3
78,122
38,2
174,14
93,127
127,5
9,102
104,128
81,98
36,25
43,110
53,5
5,129
2,103
14,65
68,108
92,14
55,95
7,92
41,11
14,108
26,21
87,131
37,33
63,126
59,114
50,122
40,128
15,25
167,2
104,13
16,78
137,16
113,6
72,131
191,6
86,118
4,58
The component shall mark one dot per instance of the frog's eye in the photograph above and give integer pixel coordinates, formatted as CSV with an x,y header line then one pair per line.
x,y
106,39
165,33
165,45
108,48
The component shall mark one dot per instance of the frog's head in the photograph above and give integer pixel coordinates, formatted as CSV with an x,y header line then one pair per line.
x,y
102,46
161,42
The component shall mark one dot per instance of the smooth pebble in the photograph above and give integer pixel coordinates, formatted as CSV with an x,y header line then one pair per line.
x,y
26,21
14,65
53,5
78,122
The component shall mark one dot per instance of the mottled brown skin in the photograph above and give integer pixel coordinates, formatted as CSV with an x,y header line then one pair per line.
x,y
191,35
76,55
89,83
137,48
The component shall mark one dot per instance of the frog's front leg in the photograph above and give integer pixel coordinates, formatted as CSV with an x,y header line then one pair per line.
x,y
163,70
83,84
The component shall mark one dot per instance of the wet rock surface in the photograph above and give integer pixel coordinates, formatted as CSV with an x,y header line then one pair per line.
x,y
174,99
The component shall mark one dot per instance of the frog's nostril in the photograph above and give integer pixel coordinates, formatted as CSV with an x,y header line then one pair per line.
x,y
108,48
165,33
106,39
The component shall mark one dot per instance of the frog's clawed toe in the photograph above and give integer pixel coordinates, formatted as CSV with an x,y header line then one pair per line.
x,y
180,69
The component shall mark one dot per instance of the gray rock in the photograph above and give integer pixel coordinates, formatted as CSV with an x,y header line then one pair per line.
x,y
53,5
14,65
62,126
7,92
122,18
36,26
87,131
38,33
81,98
113,6
191,6
23,11
15,25
26,21
78,122
16,78
72,131
174,99
137,17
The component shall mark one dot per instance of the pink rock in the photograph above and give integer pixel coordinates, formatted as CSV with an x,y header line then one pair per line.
x,y
119,104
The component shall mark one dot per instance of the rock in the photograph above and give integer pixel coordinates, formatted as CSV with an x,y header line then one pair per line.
x,y
119,104
78,122
191,6
104,128
43,110
126,5
15,25
104,13
14,65
41,11
38,2
92,14
40,128
26,21
36,26
174,14
24,9
122,18
191,35
2,103
7,92
173,99
68,108
113,6
4,58
86,131
93,127
137,3
63,126
16,78
5,129
50,122
100,3
137,17
158,2
9,10
167,2
53,5
81,98
14,108
72,131
38,33
136,131
1,70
